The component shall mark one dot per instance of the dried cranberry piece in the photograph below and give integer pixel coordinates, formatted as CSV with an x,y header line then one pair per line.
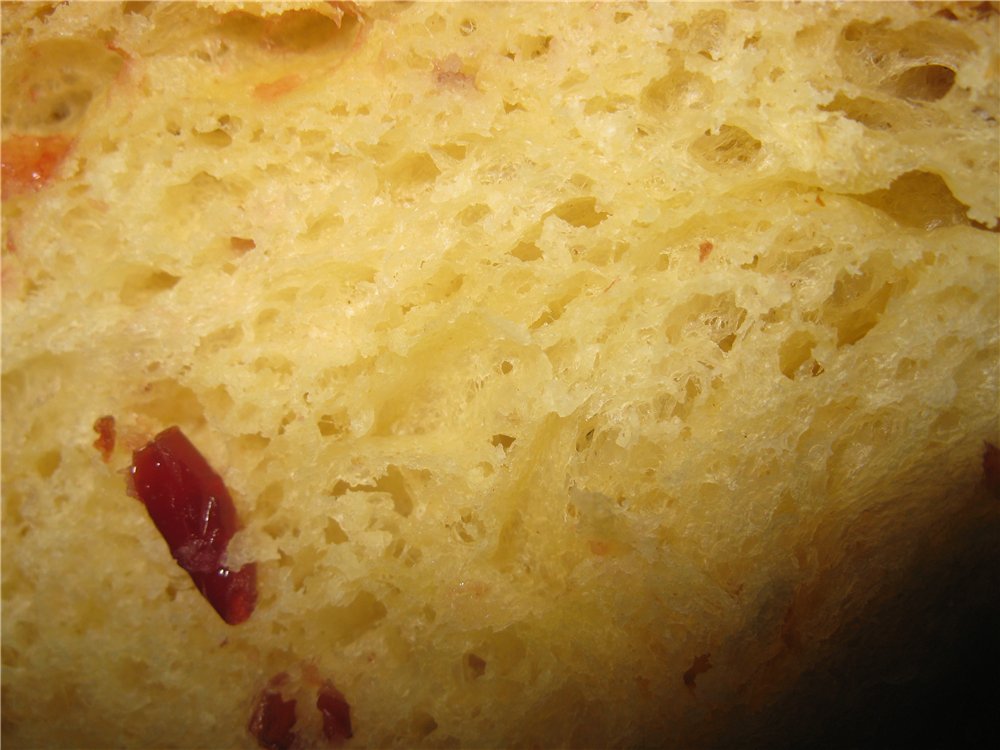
x,y
194,512
272,720
28,162
701,665
105,443
336,714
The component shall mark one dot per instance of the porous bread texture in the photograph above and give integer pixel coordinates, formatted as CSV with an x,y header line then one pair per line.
x,y
582,373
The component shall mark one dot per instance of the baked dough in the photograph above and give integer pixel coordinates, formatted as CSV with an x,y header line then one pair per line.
x,y
583,374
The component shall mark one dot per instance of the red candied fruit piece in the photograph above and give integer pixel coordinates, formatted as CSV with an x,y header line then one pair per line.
x,y
272,720
105,443
192,509
336,714
277,88
700,665
28,162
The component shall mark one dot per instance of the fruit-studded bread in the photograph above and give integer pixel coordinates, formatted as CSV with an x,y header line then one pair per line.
x,y
585,374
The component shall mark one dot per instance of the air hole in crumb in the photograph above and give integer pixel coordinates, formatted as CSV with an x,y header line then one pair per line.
x,y
506,367
217,138
47,463
241,245
947,425
423,724
475,666
250,444
391,483
396,548
542,320
526,251
143,286
794,353
871,113
503,440
532,47
708,33
347,623
906,369
502,651
856,304
579,212
394,484
166,401
925,83
411,173
472,214
469,528
454,150
717,316
730,148
920,200
285,421
682,410
265,318
726,342
334,533
294,31
339,488
274,363
269,500
330,425
678,90
412,557
584,440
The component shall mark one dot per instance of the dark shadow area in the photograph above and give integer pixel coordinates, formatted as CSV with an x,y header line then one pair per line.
x,y
920,668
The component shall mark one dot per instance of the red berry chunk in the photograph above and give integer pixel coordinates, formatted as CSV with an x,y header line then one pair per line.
x,y
272,720
29,162
193,511
336,714
105,443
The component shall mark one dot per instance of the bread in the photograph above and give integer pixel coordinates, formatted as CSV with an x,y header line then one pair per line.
x,y
583,375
